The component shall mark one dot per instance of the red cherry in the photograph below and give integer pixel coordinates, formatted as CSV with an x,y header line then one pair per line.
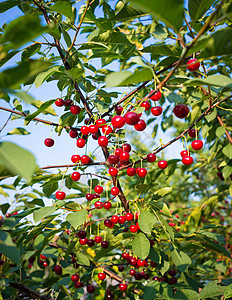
x,y
49,142
197,144
141,263
118,110
98,205
106,129
76,176
118,151
113,171
141,125
79,284
107,205
58,269
73,134
82,234
90,289
59,102
90,242
124,156
98,189
100,123
142,172
173,280
137,215
60,195
113,159
181,111
108,223
87,121
152,264
93,129
151,157
125,255
75,158
45,264
131,118
156,97
96,196
121,219
184,153
75,110
102,141
123,287
118,121
126,147
85,159
172,273
89,197
193,65
146,105
131,171
193,133
80,143
187,160
85,130
105,244
132,272
162,164
157,111
98,239
114,219
121,268
129,216
75,277
115,191
42,256
68,102
133,228
101,276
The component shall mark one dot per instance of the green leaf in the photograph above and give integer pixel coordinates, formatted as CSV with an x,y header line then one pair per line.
x,y
169,50
141,245
18,130
4,207
49,110
74,74
173,97
43,212
17,160
5,5
7,57
8,248
151,289
220,131
227,150
164,191
42,108
83,259
169,12
213,80
146,221
76,219
43,76
30,51
181,260
63,7
210,290
128,12
197,8
48,189
228,292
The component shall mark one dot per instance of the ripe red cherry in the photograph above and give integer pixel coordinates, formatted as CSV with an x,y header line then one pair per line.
x,y
162,164
121,268
151,157
141,263
101,276
98,189
124,156
45,264
142,172
184,153
85,159
113,171
98,205
118,151
90,289
82,234
125,255
132,272
156,97
93,129
100,123
181,111
193,133
133,228
126,147
123,287
49,142
60,195
80,143
197,144
107,205
89,197
90,242
85,130
141,125
68,102
75,277
114,219
75,110
96,196
102,141
121,219
193,65
108,223
98,239
173,280
76,176
104,244
119,110
157,111
131,118
79,284
129,216
131,171
137,170
187,160
87,121
59,102
58,269
118,121
106,129
146,105
42,256
115,191
172,273
73,134
75,158
113,159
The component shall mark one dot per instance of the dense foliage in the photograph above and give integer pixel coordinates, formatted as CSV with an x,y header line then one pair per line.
x,y
121,226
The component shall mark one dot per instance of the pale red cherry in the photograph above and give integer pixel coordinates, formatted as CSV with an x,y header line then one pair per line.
x,y
100,123
162,164
115,191
181,111
123,287
157,111
131,171
113,171
80,143
59,102
98,189
75,110
106,129
141,125
76,176
146,105
151,157
101,276
156,97
85,130
131,118
184,153
142,172
118,121
75,158
102,141
193,65
187,160
93,129
60,195
197,144
73,133
49,142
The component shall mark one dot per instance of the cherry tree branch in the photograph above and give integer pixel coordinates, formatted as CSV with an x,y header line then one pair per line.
x,y
74,165
28,291
229,138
